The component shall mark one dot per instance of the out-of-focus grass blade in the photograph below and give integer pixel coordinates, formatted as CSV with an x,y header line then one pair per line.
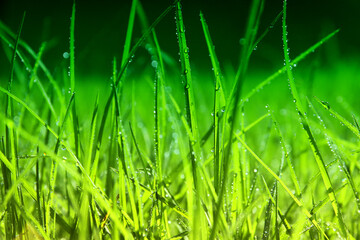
x,y
34,56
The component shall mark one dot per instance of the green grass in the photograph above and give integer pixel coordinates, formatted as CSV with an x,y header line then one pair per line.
x,y
165,154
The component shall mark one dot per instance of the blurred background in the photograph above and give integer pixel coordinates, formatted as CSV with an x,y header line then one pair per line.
x,y
100,31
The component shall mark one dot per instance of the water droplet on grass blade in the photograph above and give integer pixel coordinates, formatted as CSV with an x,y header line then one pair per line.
x,y
326,105
66,55
154,64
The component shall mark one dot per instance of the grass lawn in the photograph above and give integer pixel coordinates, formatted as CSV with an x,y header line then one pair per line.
x,y
160,150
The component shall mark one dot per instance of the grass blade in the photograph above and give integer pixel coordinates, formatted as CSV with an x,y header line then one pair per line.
x,y
306,127
342,120
233,100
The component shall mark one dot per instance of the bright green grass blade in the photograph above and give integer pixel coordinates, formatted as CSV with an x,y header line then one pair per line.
x,y
342,120
293,63
157,147
11,147
190,107
87,163
294,198
159,111
72,49
129,32
62,126
233,100
191,118
268,213
340,157
284,221
140,156
38,189
72,82
30,218
306,127
54,167
219,100
310,182
161,122
277,226
286,154
27,186
126,51
322,203
159,59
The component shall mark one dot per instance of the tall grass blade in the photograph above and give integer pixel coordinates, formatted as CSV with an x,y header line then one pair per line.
x,y
233,100
190,108
306,127
219,100
10,148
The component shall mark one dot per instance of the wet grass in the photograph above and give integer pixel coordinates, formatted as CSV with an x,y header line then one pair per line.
x,y
158,155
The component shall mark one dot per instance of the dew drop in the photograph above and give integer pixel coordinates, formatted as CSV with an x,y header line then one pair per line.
x,y
66,55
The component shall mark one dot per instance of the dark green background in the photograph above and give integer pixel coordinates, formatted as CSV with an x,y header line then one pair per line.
x,y
101,26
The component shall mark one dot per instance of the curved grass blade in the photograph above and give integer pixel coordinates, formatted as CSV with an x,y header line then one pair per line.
x,y
267,30
342,120
306,127
295,199
33,70
293,63
34,56
340,157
